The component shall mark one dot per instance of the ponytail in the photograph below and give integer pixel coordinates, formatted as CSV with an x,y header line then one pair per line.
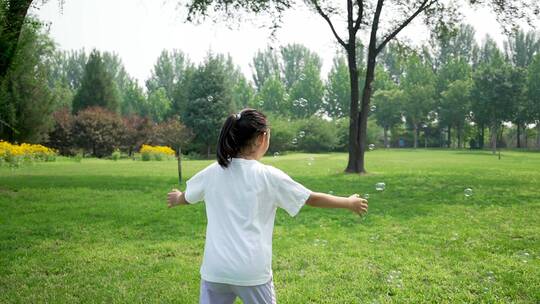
x,y
237,132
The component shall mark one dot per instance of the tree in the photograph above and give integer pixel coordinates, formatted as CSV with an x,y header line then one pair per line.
x,y
419,91
26,101
309,88
520,49
492,93
97,87
296,60
337,89
456,105
533,96
98,130
13,16
452,109
208,102
265,65
273,97
243,93
168,72
387,112
157,105
366,15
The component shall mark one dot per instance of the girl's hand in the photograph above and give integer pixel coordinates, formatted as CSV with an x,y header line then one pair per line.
x,y
357,204
173,198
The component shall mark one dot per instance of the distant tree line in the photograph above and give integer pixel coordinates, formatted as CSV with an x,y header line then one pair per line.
x,y
450,93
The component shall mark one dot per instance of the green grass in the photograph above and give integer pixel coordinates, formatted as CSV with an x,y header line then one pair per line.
x,y
99,231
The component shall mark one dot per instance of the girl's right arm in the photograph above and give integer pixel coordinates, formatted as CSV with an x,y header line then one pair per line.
x,y
354,202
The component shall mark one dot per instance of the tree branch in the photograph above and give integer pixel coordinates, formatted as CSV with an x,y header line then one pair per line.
x,y
422,8
325,16
358,21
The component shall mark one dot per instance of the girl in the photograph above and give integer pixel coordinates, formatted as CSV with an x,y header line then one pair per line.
x,y
241,196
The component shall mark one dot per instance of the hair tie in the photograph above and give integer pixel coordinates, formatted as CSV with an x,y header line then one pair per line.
x,y
238,115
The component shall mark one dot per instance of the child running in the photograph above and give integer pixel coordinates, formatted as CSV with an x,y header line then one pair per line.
x,y
241,196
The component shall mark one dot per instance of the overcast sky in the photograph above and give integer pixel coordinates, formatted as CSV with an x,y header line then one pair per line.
x,y
138,30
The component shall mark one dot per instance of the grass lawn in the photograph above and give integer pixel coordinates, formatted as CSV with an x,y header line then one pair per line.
x,y
99,231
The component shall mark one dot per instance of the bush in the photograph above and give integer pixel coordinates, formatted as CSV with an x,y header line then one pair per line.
x,y
98,131
282,133
15,155
156,152
171,133
61,137
317,135
116,155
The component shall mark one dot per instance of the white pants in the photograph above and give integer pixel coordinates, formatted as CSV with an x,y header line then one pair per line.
x,y
219,293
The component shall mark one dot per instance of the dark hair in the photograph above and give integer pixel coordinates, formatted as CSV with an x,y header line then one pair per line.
x,y
238,132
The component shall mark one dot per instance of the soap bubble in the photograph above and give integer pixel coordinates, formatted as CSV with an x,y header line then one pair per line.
x,y
276,154
210,98
366,196
373,108
301,134
312,158
371,147
331,192
309,164
468,192
380,186
294,141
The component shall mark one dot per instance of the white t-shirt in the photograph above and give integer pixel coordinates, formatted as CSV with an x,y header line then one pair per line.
x,y
241,202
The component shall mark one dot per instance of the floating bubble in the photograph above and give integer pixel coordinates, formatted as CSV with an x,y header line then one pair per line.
x,y
468,192
294,141
331,192
312,158
276,154
373,108
301,134
309,164
371,147
380,186
210,98
366,196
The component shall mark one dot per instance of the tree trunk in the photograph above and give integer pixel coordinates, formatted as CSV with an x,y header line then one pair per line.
x,y
415,135
459,137
208,152
449,137
353,165
538,135
525,138
518,145
493,135
386,136
11,24
425,138
481,137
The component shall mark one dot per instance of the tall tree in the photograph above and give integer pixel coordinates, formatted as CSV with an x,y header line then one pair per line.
x,y
97,87
419,92
26,100
265,65
13,15
296,60
209,101
307,91
533,96
367,15
168,71
520,49
273,97
337,89
494,86
387,113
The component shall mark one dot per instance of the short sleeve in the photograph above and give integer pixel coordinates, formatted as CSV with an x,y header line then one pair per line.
x,y
195,186
288,194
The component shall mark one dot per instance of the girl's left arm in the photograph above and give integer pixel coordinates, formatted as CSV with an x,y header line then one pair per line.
x,y
175,198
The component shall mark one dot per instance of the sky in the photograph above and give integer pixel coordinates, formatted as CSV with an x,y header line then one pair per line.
x,y
138,30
